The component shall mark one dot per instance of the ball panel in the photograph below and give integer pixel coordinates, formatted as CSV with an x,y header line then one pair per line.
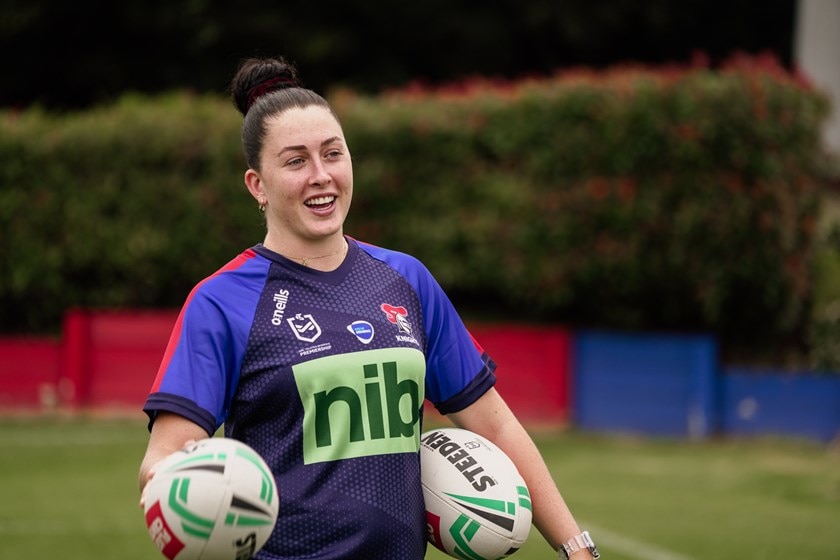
x,y
461,535
215,500
162,535
477,504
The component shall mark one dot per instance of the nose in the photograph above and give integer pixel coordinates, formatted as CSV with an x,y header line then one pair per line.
x,y
320,176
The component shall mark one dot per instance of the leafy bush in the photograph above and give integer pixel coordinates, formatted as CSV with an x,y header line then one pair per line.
x,y
126,205
625,199
633,198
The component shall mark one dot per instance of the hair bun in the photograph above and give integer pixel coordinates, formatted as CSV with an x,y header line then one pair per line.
x,y
272,84
259,76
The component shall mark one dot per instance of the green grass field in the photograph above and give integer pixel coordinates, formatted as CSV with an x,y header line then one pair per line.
x,y
68,491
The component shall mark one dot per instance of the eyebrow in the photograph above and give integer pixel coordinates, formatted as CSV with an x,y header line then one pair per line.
x,y
326,142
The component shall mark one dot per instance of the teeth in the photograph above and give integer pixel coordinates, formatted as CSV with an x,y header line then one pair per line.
x,y
319,201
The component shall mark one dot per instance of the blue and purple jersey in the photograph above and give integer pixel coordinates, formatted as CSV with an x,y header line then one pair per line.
x,y
325,375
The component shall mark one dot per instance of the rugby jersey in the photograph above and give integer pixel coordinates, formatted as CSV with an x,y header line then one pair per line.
x,y
325,375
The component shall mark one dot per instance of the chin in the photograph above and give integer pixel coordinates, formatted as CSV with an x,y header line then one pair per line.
x,y
325,233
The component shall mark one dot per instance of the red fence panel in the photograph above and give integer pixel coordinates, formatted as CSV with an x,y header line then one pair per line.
x,y
548,375
111,357
29,373
534,364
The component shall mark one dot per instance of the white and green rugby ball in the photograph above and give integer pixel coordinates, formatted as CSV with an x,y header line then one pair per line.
x,y
213,500
477,504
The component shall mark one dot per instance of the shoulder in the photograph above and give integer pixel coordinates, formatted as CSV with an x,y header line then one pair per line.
x,y
407,266
243,277
247,265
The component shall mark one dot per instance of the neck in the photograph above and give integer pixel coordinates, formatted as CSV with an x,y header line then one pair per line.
x,y
324,256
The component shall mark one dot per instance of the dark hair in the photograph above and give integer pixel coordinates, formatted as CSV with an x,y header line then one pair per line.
x,y
263,88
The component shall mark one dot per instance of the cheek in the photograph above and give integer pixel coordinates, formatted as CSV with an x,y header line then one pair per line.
x,y
284,187
347,179
348,190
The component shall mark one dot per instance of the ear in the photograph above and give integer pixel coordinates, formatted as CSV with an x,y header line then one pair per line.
x,y
254,183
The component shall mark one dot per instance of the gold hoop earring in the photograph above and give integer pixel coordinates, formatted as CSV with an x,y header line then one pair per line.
x,y
262,206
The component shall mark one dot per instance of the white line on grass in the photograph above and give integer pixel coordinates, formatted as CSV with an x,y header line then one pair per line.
x,y
631,547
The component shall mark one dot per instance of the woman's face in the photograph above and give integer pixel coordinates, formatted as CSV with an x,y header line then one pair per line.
x,y
305,178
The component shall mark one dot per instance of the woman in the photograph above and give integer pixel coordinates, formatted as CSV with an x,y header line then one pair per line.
x,y
319,350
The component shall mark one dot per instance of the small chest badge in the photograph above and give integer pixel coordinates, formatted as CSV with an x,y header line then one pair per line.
x,y
305,327
397,315
363,331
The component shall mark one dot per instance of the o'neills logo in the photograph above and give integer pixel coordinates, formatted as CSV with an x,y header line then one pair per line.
x,y
280,300
460,458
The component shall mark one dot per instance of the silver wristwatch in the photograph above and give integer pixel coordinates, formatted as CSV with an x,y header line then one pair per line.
x,y
578,542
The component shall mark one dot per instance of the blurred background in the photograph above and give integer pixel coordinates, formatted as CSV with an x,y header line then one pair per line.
x,y
576,168
634,205
72,55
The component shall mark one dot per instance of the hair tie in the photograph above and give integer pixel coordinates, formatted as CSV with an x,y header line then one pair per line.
x,y
267,86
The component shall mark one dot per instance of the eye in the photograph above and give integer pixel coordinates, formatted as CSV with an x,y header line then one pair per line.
x,y
295,161
334,154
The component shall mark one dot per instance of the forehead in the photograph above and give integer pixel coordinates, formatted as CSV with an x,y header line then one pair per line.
x,y
296,126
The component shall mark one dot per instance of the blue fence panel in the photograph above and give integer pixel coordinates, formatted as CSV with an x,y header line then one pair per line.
x,y
662,385
776,402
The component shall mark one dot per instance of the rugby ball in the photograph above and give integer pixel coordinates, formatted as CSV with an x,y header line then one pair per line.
x,y
215,499
477,504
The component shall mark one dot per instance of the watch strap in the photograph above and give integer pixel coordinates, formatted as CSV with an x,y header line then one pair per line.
x,y
579,542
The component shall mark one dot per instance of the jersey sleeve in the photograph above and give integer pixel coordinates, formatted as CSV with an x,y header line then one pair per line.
x,y
200,368
458,370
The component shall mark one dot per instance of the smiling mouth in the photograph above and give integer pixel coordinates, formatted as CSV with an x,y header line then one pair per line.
x,y
320,201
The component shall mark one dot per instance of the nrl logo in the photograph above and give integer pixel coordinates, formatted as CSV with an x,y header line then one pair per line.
x,y
305,327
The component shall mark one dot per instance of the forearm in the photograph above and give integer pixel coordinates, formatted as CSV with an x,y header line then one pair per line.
x,y
551,515
153,456
170,433
491,418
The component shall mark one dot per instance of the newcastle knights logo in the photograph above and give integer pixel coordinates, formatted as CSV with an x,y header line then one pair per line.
x,y
398,316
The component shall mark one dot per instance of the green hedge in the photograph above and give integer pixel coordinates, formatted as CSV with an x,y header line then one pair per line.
x,y
126,205
628,199
678,199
